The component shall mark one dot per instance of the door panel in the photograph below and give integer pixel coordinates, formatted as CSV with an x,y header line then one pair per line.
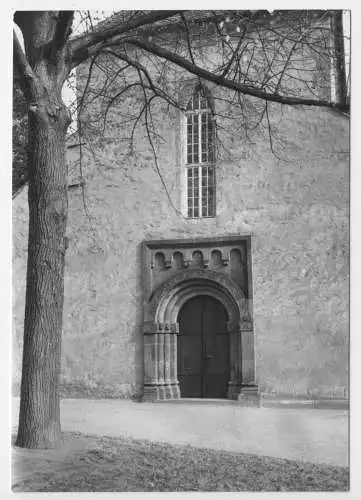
x,y
190,386
216,366
216,354
214,317
191,318
190,351
190,359
203,349
215,387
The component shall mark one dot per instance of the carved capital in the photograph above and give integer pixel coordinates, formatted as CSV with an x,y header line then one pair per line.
x,y
246,326
153,328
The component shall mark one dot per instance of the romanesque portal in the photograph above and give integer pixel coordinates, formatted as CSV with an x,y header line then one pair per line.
x,y
198,325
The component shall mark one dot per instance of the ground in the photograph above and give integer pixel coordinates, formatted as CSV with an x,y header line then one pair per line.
x,y
90,463
120,445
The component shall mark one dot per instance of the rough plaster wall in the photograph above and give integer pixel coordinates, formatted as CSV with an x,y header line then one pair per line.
x,y
296,208
298,212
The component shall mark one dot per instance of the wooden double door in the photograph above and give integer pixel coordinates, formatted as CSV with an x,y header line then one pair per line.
x,y
203,349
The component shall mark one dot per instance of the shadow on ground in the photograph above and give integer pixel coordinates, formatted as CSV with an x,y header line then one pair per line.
x,y
104,464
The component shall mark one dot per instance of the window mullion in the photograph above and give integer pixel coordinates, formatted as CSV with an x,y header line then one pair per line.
x,y
193,191
199,116
200,191
207,191
200,136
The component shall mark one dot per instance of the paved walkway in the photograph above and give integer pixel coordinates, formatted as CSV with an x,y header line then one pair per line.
x,y
319,436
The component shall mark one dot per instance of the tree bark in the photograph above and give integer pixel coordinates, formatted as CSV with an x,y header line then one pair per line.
x,y
39,420
43,69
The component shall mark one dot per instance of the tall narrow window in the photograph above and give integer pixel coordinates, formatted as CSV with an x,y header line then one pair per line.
x,y
200,165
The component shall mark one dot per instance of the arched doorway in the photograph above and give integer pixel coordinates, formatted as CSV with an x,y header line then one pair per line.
x,y
227,304
203,350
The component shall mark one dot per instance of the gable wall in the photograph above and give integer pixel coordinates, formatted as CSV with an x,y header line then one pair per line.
x,y
296,209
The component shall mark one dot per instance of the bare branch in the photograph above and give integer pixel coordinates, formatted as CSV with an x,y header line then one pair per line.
x,y
235,52
270,132
188,38
81,45
63,27
27,76
21,18
157,91
224,82
156,164
115,98
286,63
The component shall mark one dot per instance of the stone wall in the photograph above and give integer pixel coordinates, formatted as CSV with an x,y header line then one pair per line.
x,y
294,202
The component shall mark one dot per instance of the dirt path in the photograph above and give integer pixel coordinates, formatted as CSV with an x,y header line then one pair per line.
x,y
318,436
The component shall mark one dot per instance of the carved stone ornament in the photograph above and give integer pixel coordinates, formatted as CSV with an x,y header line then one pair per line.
x,y
175,272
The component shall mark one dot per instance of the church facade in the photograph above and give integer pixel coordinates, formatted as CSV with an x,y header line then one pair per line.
x,y
216,268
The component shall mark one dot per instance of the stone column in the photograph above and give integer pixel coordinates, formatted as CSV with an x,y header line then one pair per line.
x,y
151,392
173,364
160,363
249,395
235,358
159,340
167,364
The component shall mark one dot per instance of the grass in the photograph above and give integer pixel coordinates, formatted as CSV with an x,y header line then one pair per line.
x,y
104,464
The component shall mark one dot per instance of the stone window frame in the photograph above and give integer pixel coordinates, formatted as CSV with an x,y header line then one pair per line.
x,y
206,169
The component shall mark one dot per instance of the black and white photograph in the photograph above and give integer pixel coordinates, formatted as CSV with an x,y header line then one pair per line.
x,y
180,266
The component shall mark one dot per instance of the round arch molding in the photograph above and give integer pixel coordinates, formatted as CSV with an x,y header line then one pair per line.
x,y
161,330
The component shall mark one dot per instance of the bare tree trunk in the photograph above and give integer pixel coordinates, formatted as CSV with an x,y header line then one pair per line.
x,y
39,420
43,69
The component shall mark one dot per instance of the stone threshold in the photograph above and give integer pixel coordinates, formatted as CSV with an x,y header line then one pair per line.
x,y
268,402
199,401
